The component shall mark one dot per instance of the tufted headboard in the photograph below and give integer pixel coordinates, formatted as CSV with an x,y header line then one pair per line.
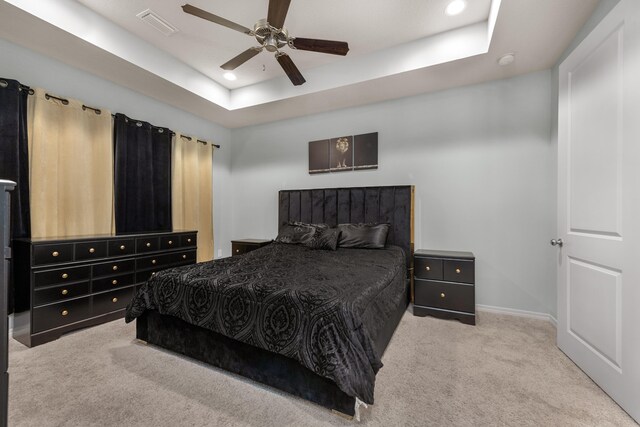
x,y
392,205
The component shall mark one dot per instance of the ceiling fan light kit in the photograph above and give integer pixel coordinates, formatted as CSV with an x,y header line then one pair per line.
x,y
272,36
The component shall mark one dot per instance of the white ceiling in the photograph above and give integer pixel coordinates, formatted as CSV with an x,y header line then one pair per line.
x,y
394,51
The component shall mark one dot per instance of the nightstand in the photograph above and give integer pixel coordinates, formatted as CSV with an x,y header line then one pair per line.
x,y
239,247
444,285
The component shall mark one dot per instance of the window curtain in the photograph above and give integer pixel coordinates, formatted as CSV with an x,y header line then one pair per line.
x,y
192,190
142,176
71,168
14,160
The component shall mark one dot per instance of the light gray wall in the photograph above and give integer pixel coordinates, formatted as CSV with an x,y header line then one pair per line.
x,y
37,70
480,157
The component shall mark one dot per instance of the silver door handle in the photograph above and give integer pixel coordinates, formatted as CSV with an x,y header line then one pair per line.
x,y
555,242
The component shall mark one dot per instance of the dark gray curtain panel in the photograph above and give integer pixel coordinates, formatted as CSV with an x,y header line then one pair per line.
x,y
14,160
142,176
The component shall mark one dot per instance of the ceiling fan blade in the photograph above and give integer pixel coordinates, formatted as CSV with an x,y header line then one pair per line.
x,y
323,46
195,11
241,59
290,68
277,12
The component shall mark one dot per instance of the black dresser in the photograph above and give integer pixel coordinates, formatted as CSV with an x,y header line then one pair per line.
x,y
444,285
239,247
5,255
63,285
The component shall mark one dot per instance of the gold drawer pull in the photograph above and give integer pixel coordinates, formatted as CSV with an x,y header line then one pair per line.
x,y
64,275
442,295
91,250
114,268
55,253
114,300
237,250
170,242
122,247
64,292
153,274
114,282
458,270
184,257
64,312
428,268
188,240
153,261
148,244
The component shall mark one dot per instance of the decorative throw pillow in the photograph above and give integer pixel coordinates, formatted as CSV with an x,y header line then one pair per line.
x,y
324,238
298,232
368,236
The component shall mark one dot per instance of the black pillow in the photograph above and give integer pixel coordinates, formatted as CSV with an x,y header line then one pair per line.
x,y
368,236
298,232
324,238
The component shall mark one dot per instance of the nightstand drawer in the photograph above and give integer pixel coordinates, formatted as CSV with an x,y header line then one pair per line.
x,y
459,271
447,296
428,268
240,248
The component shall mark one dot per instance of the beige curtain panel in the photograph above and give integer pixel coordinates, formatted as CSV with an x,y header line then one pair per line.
x,y
192,191
71,168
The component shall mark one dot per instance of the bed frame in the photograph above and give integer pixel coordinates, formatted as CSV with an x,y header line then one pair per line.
x,y
392,205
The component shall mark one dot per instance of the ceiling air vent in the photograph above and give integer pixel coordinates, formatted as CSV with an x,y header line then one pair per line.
x,y
152,18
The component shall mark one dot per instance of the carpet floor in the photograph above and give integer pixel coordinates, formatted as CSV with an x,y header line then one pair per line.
x,y
506,371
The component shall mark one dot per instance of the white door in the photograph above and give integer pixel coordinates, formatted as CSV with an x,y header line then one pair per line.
x,y
599,206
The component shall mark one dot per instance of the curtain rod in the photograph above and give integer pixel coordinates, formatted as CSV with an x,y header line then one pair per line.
x,y
98,111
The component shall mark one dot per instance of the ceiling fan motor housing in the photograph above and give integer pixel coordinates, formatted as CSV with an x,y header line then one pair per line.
x,y
269,37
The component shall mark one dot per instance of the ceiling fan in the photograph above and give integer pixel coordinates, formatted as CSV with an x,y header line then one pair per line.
x,y
272,35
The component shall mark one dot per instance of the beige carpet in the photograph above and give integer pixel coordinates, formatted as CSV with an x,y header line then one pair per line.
x,y
505,371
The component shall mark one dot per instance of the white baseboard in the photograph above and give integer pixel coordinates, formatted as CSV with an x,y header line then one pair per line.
x,y
520,313
10,324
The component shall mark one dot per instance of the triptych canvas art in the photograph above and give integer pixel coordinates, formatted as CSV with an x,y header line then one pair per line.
x,y
345,153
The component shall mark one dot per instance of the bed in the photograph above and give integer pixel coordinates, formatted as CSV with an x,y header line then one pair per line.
x,y
313,323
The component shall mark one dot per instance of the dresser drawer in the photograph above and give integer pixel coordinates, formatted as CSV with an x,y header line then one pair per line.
x,y
147,244
113,282
427,268
153,261
60,293
188,240
448,296
113,267
183,257
143,276
459,271
112,301
90,250
61,276
55,315
169,242
121,247
55,253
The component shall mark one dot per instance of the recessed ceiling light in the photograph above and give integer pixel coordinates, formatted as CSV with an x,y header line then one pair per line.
x,y
455,7
229,76
507,59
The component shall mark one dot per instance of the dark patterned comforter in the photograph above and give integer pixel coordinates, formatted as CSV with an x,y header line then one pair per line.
x,y
321,308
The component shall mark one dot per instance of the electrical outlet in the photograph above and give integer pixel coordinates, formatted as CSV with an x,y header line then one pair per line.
x,y
219,253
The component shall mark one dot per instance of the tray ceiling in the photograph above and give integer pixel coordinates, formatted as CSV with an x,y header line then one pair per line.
x,y
394,51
